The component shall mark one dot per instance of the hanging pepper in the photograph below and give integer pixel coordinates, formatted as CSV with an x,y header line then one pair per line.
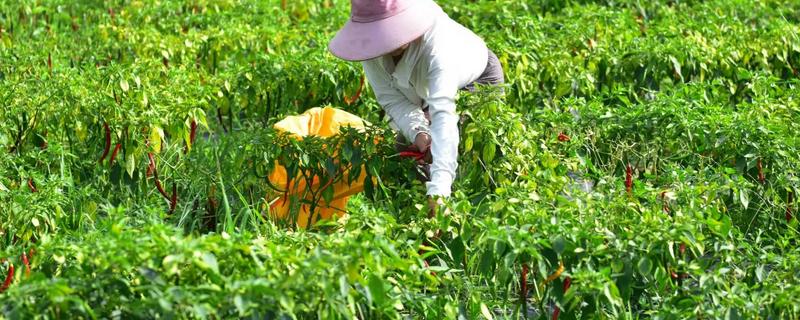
x,y
114,155
761,177
567,284
523,284
150,169
629,179
553,276
192,133
32,185
9,277
173,201
155,176
27,264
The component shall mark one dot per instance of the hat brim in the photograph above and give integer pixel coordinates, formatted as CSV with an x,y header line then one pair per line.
x,y
358,41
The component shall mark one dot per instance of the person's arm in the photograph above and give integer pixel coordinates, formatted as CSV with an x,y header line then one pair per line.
x,y
442,90
408,117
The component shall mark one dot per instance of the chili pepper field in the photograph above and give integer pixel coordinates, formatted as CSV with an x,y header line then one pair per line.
x,y
643,163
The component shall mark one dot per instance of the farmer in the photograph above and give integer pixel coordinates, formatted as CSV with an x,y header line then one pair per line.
x,y
417,59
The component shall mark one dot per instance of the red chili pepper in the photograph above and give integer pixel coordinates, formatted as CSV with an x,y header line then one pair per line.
x,y
412,154
789,200
108,142
165,62
161,190
155,175
9,277
32,185
556,312
629,179
567,284
49,63
350,100
682,248
523,283
563,137
664,202
761,177
173,201
27,264
111,13
192,133
149,170
114,154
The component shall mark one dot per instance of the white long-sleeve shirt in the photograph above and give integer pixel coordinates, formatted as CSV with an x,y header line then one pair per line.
x,y
432,70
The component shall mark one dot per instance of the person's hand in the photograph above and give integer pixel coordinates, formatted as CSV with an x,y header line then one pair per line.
x,y
423,144
434,203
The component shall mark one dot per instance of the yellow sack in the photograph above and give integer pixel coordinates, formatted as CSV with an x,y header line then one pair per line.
x,y
322,122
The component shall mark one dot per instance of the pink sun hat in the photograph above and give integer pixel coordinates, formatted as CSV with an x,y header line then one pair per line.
x,y
378,27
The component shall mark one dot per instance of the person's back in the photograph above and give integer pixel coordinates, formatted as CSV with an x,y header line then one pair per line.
x,y
416,60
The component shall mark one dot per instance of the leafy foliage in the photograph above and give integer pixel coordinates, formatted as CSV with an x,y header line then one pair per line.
x,y
681,114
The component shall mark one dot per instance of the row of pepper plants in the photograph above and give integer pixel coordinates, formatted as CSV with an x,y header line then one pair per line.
x,y
138,139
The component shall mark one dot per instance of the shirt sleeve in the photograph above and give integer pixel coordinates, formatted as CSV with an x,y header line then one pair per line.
x,y
443,87
408,117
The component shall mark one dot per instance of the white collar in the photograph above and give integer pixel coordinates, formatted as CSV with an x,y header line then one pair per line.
x,y
402,71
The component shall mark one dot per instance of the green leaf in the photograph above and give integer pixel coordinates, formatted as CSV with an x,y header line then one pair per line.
x,y
210,262
124,85
485,312
743,197
376,289
488,152
240,305
644,266
612,294
559,244
760,273
156,135
130,163
468,143
732,314
676,66
327,194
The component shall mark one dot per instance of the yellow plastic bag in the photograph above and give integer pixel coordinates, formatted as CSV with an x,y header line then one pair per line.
x,y
323,122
